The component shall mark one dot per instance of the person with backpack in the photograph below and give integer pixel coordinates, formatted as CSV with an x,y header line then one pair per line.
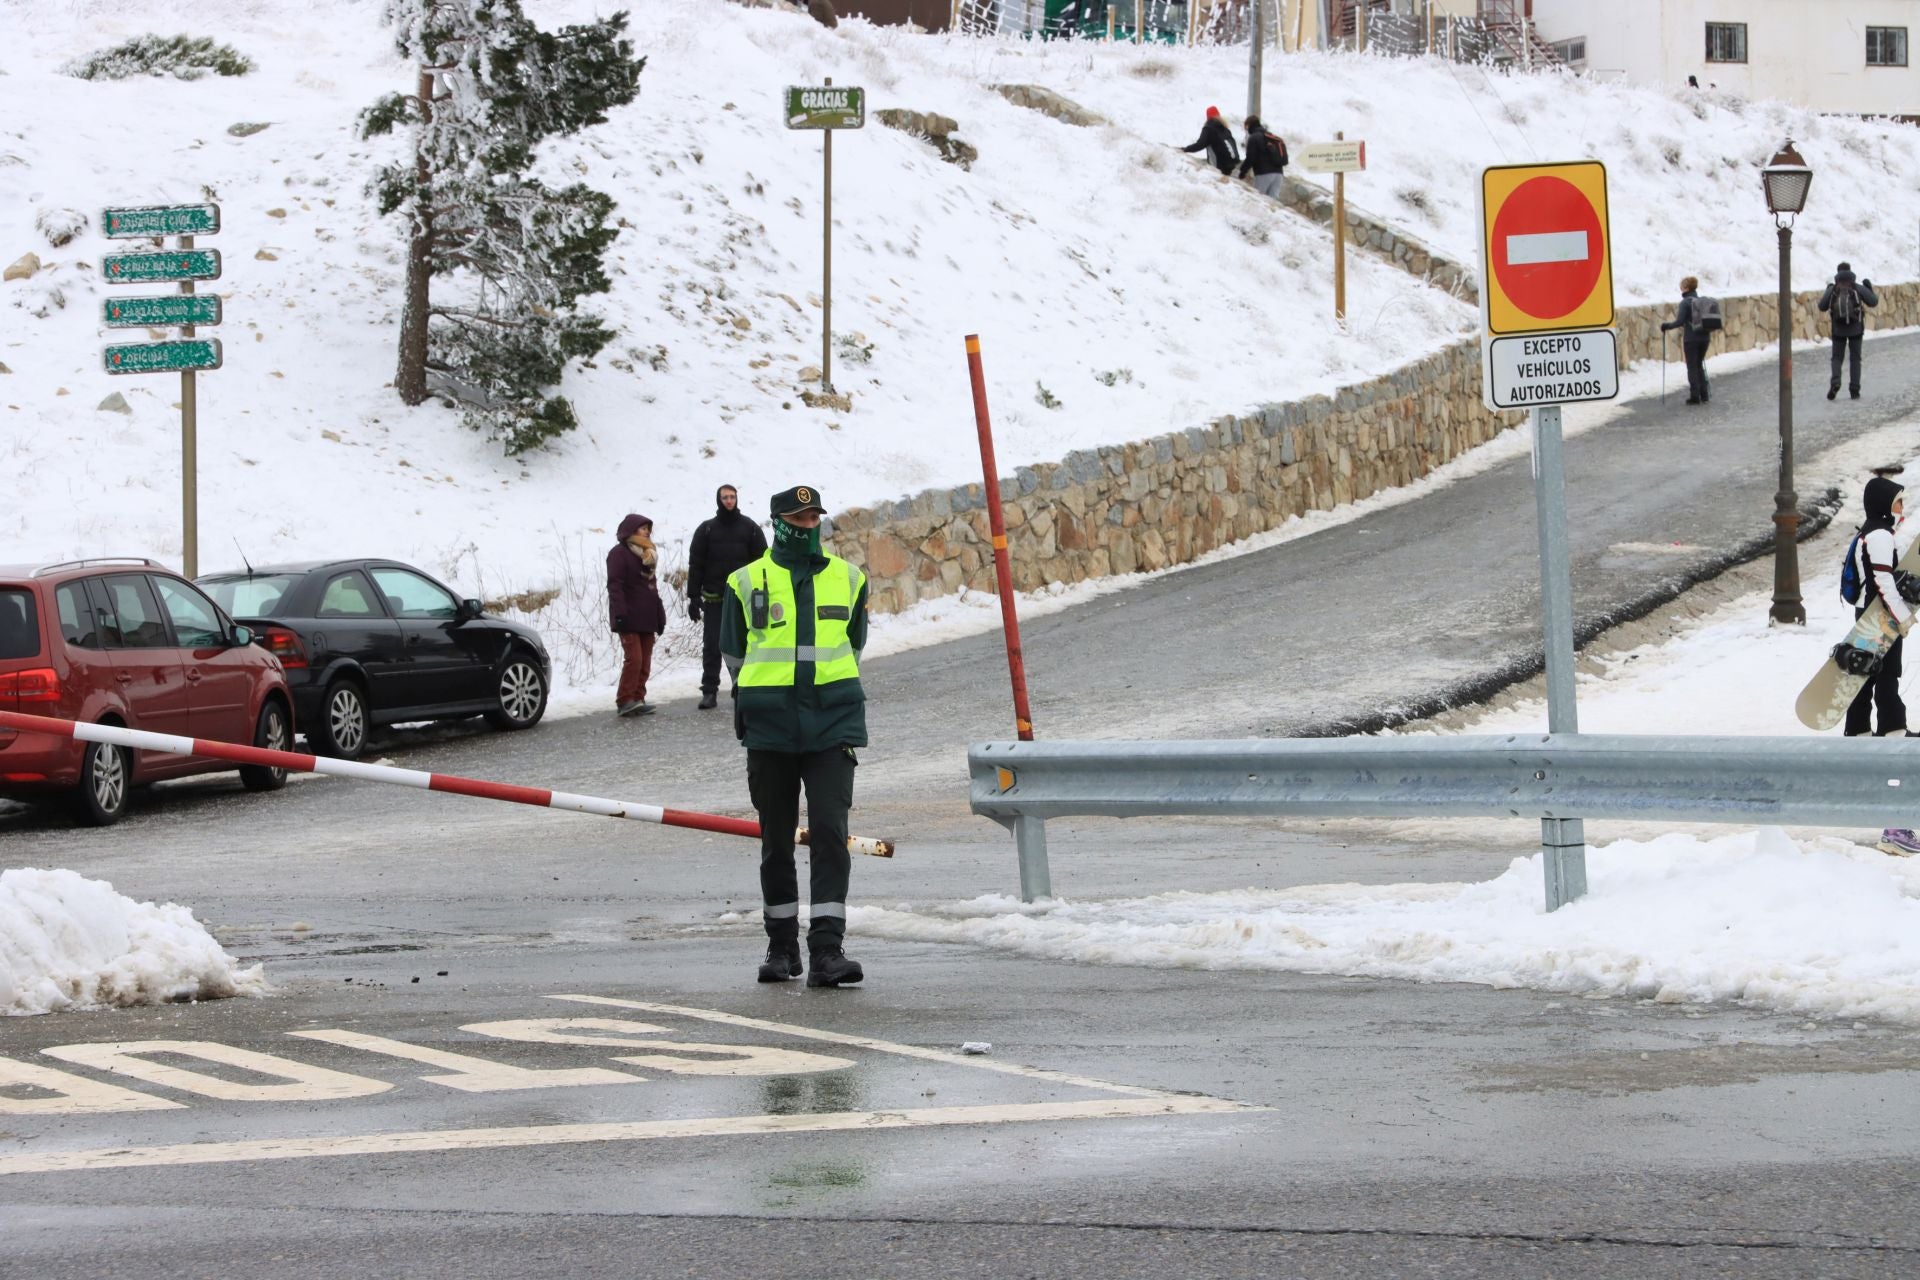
x,y
1266,157
1216,139
1845,302
1698,319
1867,575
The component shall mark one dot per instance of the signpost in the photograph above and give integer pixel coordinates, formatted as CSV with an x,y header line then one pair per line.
x,y
160,312
163,357
156,268
185,355
1338,158
1546,299
826,108
150,221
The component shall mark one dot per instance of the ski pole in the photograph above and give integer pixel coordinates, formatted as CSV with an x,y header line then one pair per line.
x,y
140,739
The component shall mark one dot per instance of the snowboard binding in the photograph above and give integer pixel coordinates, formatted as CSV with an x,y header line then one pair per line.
x,y
1856,662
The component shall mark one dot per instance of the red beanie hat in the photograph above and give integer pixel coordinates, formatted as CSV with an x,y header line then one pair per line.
x,y
1213,113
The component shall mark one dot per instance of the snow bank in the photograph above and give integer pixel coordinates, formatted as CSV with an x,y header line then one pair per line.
x,y
67,942
1817,927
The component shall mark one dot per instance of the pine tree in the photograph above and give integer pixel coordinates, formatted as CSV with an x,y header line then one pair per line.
x,y
521,254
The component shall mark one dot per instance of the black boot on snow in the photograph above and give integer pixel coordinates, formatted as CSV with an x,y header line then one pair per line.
x,y
782,962
829,967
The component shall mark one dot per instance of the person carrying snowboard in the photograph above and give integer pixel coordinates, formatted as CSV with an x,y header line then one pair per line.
x,y
1881,544
1845,302
1216,139
1695,334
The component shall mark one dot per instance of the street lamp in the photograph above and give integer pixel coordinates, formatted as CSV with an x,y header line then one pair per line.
x,y
1786,178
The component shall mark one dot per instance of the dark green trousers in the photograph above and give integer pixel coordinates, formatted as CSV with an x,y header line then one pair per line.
x,y
774,781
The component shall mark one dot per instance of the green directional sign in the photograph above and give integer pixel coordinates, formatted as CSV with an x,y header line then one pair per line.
x,y
155,268
160,220
171,309
183,356
829,106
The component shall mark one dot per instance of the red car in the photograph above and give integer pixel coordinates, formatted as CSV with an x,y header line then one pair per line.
x,y
124,641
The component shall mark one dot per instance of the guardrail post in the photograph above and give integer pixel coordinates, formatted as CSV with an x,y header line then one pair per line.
x,y
1030,839
1563,846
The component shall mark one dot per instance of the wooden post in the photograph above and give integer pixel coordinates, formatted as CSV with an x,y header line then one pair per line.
x,y
1360,27
1340,243
1429,26
1139,20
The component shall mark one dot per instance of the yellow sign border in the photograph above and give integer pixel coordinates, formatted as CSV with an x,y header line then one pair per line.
x,y
1499,314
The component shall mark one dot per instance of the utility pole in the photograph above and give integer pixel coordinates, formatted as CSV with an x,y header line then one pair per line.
x,y
1256,39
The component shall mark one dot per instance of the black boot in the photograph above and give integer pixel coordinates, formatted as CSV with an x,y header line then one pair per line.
x,y
708,701
783,960
829,967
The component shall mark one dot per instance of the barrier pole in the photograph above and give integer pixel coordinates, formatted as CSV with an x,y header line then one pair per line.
x,y
1002,564
172,744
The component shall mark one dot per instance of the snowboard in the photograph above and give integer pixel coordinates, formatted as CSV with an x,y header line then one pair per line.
x,y
1823,703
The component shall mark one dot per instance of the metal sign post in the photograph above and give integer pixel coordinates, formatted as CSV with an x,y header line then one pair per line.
x,y
189,354
826,108
1546,295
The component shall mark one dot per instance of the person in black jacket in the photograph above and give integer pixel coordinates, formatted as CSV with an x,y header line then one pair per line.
x,y
1216,139
1266,158
634,611
720,546
1846,301
1694,338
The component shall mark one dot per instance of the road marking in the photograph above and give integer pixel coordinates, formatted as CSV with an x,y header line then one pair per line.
x,y
304,1083
73,1095
1547,246
433,1141
878,1046
470,1074
709,1059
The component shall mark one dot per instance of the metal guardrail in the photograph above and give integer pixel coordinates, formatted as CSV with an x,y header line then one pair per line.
x,y
1561,779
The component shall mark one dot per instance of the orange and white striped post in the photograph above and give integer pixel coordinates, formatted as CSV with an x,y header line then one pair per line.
x,y
1002,563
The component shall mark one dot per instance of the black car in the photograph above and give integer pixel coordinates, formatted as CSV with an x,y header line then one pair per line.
x,y
372,642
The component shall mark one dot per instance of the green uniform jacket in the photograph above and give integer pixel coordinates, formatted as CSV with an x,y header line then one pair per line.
x,y
802,717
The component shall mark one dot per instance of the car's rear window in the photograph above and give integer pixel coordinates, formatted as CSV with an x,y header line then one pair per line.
x,y
19,624
254,597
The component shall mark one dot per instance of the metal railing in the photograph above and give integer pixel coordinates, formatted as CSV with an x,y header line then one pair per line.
x,y
1559,779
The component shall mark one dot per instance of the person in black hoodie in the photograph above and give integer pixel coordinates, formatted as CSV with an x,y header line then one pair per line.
x,y
1216,139
720,546
1266,159
1882,544
1846,300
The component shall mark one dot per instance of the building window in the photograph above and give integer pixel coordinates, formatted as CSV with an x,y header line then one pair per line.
x,y
1886,46
1572,52
1726,42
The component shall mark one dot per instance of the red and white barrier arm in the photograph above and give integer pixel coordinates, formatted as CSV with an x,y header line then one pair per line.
x,y
173,744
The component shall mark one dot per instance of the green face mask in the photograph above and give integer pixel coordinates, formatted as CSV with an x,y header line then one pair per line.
x,y
795,541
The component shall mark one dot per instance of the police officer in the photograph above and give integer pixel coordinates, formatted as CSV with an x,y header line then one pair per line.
x,y
795,623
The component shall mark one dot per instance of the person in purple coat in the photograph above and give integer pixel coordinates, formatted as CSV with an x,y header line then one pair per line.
x,y
635,611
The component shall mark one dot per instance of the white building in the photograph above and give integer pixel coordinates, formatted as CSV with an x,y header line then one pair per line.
x,y
1832,55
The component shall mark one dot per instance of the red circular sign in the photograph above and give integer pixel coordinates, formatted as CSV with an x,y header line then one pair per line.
x,y
1554,232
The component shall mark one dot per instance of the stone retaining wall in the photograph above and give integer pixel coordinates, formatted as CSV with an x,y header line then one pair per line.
x,y
1170,499
1370,234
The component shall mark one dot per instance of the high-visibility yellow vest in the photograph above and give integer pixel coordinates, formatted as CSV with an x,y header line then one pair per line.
x,y
772,658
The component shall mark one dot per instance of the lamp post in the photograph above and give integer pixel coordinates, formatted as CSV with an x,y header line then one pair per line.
x,y
1786,178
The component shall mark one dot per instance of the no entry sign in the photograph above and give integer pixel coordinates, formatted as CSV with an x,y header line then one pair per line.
x,y
1545,260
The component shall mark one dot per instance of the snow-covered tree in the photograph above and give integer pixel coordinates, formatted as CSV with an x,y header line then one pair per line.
x,y
518,254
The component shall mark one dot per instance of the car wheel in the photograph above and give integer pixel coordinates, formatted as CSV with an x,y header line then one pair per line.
x,y
275,734
342,728
106,778
521,692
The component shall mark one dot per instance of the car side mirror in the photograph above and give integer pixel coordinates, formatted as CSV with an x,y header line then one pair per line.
x,y
469,609
242,636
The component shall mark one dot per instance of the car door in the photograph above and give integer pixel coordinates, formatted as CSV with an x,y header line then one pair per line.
x,y
439,668
220,675
146,665
350,621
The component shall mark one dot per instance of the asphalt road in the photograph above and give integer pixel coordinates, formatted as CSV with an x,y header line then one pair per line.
x,y
1126,1121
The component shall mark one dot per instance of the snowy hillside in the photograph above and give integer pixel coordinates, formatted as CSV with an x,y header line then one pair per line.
x,y
1136,288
